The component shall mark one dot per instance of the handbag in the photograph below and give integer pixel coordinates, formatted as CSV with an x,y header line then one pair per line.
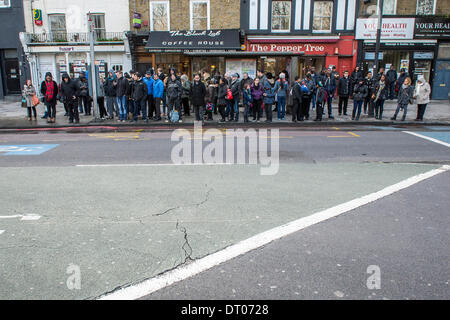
x,y
24,102
35,100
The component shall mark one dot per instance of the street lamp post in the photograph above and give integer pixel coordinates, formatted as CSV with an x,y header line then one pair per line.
x,y
93,73
377,44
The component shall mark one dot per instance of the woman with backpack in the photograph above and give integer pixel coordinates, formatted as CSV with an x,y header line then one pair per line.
x,y
257,91
360,92
405,97
281,90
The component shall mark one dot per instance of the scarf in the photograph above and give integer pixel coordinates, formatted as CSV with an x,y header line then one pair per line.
x,y
50,90
382,85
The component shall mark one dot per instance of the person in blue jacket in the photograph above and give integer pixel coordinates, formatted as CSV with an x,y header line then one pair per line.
x,y
158,91
148,80
269,99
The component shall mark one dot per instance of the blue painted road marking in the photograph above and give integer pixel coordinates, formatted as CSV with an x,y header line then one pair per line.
x,y
26,149
442,136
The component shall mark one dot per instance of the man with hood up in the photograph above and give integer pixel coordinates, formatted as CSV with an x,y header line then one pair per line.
x,y
69,94
84,95
49,89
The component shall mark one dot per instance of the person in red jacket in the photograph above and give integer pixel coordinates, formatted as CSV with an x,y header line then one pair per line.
x,y
49,89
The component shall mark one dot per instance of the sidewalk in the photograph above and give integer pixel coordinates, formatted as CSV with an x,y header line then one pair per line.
x,y
12,116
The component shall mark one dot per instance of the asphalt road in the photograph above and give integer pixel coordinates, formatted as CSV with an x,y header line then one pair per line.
x,y
111,205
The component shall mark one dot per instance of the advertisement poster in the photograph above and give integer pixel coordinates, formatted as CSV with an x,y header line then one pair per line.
x,y
392,28
241,66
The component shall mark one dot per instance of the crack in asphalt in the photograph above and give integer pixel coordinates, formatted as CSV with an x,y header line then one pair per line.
x,y
186,246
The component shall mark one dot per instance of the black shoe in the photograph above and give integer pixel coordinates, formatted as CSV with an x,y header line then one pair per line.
x,y
70,121
77,121
330,117
393,118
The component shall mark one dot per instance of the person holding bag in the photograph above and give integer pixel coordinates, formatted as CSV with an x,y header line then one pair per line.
x,y
405,97
29,98
381,93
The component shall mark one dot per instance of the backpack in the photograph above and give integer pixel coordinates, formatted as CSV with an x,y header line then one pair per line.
x,y
229,94
305,90
174,116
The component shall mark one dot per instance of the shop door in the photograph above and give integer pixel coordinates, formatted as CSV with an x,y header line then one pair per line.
x,y
345,64
441,80
12,75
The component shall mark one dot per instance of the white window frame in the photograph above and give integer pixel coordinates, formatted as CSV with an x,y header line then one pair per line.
x,y
395,9
6,6
191,8
331,17
290,18
167,3
434,9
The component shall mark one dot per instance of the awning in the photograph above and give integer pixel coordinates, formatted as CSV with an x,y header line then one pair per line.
x,y
194,40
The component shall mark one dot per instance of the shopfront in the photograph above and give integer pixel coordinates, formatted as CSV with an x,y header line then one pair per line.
x,y
297,55
189,52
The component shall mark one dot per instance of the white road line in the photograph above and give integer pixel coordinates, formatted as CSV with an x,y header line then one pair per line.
x,y
428,138
1,231
151,164
26,217
168,278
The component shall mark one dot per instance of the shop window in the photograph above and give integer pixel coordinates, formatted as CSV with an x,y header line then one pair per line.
x,y
444,51
281,16
425,7
98,20
57,26
389,7
5,3
200,15
117,67
159,15
323,12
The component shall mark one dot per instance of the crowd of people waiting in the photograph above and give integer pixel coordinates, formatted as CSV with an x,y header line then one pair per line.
x,y
159,97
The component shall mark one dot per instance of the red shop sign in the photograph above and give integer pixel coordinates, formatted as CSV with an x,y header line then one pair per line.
x,y
307,48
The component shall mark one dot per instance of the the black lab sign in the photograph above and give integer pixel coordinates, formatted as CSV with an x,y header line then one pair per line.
x,y
194,40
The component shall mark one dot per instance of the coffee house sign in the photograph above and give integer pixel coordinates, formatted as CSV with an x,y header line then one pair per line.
x,y
192,40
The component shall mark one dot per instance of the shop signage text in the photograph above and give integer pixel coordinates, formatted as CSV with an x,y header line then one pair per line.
x,y
432,27
307,48
392,28
192,40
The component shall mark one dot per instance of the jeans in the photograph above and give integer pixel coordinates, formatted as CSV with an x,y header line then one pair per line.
x,y
29,111
85,101
51,109
158,108
247,111
229,112
281,110
297,110
185,102
151,105
343,102
199,112
122,105
140,105
236,109
313,98
421,111
391,90
269,111
379,106
173,103
73,110
222,111
330,105
257,104
357,105
405,110
110,102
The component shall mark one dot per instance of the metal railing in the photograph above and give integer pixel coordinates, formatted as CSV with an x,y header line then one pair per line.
x,y
73,38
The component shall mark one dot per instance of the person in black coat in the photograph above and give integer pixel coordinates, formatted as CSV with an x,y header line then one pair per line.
x,y
235,90
297,101
359,95
221,98
122,88
49,89
198,94
391,78
84,98
368,102
139,97
69,93
344,90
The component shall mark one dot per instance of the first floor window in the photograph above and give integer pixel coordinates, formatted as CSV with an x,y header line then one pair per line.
x,y
199,15
159,16
5,3
323,12
117,67
98,21
389,6
425,7
281,16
